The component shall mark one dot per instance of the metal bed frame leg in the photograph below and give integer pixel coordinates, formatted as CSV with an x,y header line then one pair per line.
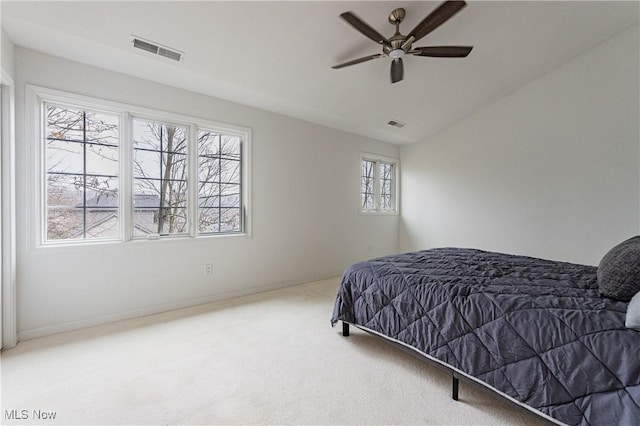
x,y
454,390
345,329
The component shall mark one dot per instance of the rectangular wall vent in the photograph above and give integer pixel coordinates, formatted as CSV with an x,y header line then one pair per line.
x,y
157,49
171,54
145,46
396,123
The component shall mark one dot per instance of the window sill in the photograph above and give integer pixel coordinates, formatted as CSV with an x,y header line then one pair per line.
x,y
379,213
73,246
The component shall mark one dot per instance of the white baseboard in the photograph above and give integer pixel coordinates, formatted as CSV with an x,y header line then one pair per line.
x,y
106,319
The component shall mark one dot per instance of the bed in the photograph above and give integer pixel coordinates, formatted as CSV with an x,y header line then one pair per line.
x,y
536,332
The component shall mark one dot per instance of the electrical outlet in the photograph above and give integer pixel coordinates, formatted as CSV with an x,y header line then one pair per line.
x,y
208,269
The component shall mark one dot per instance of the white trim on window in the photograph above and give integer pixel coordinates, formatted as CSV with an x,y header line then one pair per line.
x,y
126,175
378,160
192,168
36,97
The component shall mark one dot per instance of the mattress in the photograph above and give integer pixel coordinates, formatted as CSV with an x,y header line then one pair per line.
x,y
534,330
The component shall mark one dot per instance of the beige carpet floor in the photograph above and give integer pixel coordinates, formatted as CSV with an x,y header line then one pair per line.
x,y
270,358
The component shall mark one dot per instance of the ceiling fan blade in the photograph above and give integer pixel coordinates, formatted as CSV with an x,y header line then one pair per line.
x,y
442,51
397,70
436,18
357,61
364,28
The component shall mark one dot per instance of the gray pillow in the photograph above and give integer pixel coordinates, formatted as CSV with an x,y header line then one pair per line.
x,y
633,313
619,271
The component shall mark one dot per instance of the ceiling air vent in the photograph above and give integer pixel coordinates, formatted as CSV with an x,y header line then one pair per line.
x,y
157,49
396,123
171,54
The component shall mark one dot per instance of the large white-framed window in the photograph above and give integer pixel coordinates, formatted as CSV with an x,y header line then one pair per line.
x,y
106,171
378,184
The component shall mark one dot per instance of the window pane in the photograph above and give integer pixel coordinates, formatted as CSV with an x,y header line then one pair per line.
x,y
230,200
160,178
173,193
64,224
64,123
208,202
65,190
64,157
386,180
230,220
208,169
174,139
103,224
367,188
102,128
174,165
102,207
208,143
81,176
102,160
172,220
230,171
145,188
220,183
146,164
101,192
219,220
146,135
209,195
145,221
230,147
208,220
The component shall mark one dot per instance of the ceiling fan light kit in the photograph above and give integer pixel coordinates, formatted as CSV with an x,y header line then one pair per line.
x,y
400,45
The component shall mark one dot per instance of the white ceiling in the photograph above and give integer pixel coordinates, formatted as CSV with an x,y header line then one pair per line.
x,y
277,55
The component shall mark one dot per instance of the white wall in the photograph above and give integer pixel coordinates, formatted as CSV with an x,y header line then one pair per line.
x,y
305,219
6,53
551,170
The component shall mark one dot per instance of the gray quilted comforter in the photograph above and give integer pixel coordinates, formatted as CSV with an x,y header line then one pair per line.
x,y
536,330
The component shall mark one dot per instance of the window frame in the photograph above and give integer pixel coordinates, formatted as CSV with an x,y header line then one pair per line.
x,y
169,119
377,190
35,99
241,186
43,140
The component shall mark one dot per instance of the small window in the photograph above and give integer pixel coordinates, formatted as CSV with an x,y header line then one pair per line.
x,y
378,185
81,156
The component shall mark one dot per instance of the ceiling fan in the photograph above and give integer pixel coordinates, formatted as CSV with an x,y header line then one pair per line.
x,y
399,45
